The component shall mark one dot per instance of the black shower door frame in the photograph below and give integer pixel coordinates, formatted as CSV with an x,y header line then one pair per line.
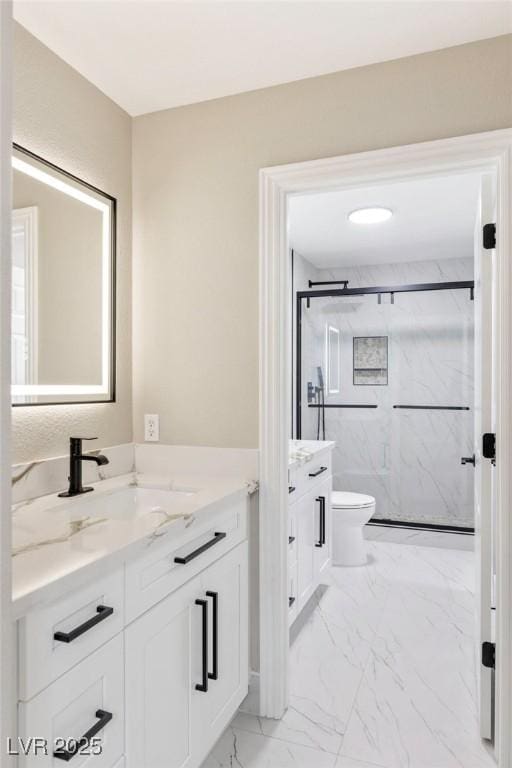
x,y
302,296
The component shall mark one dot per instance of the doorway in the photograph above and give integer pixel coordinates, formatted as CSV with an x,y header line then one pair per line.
x,y
382,657
481,154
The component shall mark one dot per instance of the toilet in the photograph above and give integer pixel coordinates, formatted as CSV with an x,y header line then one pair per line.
x,y
350,512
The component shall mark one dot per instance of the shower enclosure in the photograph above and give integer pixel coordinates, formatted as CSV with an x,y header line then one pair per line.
x,y
384,365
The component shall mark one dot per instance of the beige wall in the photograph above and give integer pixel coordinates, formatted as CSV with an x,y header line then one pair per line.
x,y
195,176
62,117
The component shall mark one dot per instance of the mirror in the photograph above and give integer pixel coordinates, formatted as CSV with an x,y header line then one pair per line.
x,y
63,286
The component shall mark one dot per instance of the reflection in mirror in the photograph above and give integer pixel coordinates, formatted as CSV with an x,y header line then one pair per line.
x,y
63,254
333,359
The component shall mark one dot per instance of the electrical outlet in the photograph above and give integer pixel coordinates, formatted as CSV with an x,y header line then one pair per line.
x,y
151,428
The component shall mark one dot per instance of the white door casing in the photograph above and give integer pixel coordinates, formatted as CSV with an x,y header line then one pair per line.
x,y
484,369
7,627
486,153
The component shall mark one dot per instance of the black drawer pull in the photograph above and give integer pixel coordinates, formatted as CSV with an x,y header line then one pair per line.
x,y
215,635
291,488
199,551
291,601
318,472
291,539
203,686
321,540
103,718
102,613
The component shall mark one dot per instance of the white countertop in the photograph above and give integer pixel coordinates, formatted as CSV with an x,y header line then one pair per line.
x,y
302,451
58,539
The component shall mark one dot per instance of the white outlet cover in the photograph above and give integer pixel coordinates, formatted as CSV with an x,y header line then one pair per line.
x,y
151,427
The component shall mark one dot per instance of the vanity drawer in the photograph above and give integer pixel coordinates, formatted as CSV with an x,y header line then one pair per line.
x,y
305,477
54,638
89,695
165,568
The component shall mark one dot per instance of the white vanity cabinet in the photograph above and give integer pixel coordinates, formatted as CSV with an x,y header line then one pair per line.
x,y
187,667
309,526
160,675
88,696
159,682
225,586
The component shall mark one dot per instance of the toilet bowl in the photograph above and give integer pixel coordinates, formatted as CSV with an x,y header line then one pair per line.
x,y
350,512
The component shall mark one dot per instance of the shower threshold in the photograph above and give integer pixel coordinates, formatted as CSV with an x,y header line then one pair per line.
x,y
411,525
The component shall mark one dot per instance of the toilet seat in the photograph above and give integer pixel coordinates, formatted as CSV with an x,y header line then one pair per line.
x,y
349,500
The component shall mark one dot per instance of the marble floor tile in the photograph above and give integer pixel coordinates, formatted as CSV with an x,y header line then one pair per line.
x,y
382,669
416,705
402,720
332,646
304,723
242,749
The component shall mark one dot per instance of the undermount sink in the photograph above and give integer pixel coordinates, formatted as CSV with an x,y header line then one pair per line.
x,y
128,503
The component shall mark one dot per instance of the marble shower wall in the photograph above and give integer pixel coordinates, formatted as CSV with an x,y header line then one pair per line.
x,y
408,459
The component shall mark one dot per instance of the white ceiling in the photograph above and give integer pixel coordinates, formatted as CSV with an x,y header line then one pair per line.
x,y
432,219
149,55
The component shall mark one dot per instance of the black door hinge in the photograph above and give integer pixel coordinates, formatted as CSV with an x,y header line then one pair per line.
x,y
489,655
489,446
489,236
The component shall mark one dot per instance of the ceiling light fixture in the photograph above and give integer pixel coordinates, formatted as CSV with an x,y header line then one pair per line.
x,y
370,215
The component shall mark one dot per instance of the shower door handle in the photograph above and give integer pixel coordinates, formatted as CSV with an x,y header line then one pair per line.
x,y
468,460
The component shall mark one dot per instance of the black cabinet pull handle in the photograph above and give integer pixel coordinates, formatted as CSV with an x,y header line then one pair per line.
x,y
215,635
321,538
291,488
203,686
468,460
318,472
103,718
199,551
102,613
291,601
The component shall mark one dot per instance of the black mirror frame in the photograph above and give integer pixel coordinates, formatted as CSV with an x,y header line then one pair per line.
x,y
113,267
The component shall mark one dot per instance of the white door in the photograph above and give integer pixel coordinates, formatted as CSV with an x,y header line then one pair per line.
x,y
159,682
484,423
224,586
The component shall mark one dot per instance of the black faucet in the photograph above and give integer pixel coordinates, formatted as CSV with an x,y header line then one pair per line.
x,y
75,466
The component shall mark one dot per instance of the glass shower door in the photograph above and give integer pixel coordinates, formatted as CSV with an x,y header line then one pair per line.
x,y
396,378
